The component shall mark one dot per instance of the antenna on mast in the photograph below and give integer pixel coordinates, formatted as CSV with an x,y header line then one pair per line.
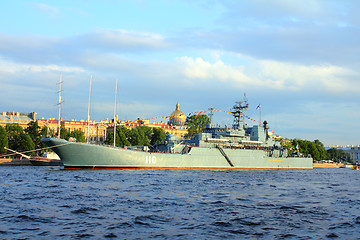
x,y
88,120
59,103
211,114
115,120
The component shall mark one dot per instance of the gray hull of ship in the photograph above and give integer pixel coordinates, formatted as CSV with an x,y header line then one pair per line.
x,y
81,155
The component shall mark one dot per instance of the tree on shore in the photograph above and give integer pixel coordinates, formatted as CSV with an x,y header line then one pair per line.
x,y
316,149
19,140
3,140
158,136
196,124
45,132
338,155
121,137
139,136
33,130
78,135
64,133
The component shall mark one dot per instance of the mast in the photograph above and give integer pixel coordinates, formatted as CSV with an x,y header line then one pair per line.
x,y
211,114
60,101
259,114
47,128
238,112
259,107
115,113
88,120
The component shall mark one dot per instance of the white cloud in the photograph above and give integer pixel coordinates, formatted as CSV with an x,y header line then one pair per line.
x,y
271,74
7,67
201,69
47,9
123,39
20,68
299,77
47,68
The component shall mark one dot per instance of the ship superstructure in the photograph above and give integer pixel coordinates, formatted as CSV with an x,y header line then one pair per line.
x,y
240,136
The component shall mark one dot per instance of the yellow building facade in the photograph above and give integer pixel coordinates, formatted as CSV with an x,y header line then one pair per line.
x,y
97,131
93,132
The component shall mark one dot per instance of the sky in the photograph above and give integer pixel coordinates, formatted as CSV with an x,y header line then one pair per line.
x,y
299,59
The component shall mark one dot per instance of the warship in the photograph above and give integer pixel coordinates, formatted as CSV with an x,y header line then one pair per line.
x,y
215,148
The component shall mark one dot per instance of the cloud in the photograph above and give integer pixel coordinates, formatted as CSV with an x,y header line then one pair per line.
x,y
12,67
128,41
286,55
47,9
64,50
115,51
271,74
299,77
303,32
200,69
47,68
32,49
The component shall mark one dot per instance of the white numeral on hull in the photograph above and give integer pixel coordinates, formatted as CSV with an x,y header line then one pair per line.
x,y
150,160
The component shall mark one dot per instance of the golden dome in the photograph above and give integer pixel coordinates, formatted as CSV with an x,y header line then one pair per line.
x,y
177,117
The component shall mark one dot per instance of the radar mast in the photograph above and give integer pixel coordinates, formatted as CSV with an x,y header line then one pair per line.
x,y
238,113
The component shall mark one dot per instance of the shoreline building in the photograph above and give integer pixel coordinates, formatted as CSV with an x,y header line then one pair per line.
x,y
17,117
177,117
97,131
355,153
175,126
177,121
94,132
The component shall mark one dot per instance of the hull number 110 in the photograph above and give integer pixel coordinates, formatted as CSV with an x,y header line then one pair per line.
x,y
150,160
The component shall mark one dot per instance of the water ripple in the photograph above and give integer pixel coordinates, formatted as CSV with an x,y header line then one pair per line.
x,y
50,203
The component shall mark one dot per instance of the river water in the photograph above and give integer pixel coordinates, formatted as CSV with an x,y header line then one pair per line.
x,y
52,203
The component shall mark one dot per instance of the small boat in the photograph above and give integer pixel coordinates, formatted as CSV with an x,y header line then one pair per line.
x,y
346,166
48,159
355,167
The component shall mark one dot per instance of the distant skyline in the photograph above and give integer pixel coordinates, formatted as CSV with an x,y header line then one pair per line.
x,y
298,59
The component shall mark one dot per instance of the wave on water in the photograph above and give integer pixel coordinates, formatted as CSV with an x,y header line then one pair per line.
x,y
50,203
